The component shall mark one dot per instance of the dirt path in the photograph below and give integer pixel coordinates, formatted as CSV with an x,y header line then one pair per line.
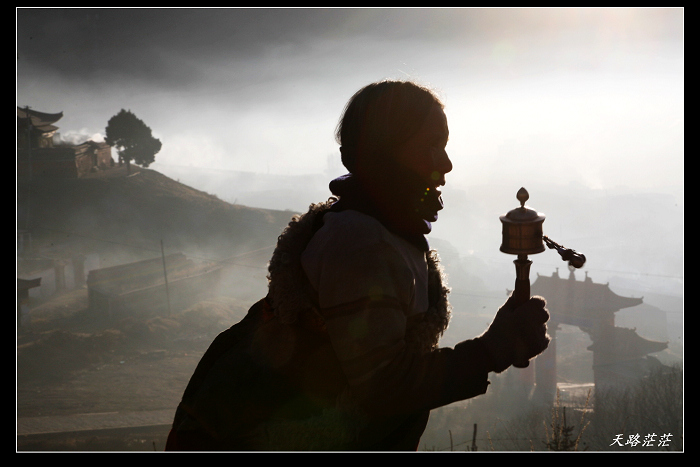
x,y
152,381
75,376
118,398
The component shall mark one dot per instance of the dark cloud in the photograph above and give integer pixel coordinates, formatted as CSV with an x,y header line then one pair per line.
x,y
175,43
89,44
76,41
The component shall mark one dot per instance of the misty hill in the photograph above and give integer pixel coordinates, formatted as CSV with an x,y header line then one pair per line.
x,y
270,191
132,214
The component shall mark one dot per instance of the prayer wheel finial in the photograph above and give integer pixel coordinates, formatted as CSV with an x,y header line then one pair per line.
x,y
522,196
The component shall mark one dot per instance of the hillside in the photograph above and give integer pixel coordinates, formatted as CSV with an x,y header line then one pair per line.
x,y
111,210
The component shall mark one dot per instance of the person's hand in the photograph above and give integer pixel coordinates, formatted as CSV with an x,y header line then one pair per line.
x,y
517,334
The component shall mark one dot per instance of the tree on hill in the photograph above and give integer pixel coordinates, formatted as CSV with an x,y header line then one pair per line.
x,y
132,139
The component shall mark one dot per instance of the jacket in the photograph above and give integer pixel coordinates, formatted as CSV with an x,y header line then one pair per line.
x,y
293,375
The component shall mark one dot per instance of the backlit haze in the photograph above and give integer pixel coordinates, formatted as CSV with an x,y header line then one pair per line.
x,y
583,107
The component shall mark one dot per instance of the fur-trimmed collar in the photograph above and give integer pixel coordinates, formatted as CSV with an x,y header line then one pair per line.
x,y
290,293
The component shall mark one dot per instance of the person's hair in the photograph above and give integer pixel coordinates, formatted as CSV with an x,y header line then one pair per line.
x,y
380,117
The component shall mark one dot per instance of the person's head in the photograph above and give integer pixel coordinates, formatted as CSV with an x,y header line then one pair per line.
x,y
395,124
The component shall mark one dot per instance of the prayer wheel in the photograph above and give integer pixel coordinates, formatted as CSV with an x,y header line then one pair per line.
x,y
522,236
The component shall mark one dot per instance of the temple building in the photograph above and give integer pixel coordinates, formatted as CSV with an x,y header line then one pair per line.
x,y
36,129
619,354
39,156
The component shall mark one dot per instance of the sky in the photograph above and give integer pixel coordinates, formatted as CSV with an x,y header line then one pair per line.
x,y
262,89
581,97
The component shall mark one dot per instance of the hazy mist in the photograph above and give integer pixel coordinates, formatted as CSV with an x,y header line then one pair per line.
x,y
583,107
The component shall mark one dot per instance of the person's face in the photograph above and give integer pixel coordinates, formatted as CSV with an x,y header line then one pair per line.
x,y
424,153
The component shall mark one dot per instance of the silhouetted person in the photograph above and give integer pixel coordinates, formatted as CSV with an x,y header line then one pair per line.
x,y
343,352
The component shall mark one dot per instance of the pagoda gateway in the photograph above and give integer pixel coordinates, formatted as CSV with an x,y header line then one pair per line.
x,y
619,354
